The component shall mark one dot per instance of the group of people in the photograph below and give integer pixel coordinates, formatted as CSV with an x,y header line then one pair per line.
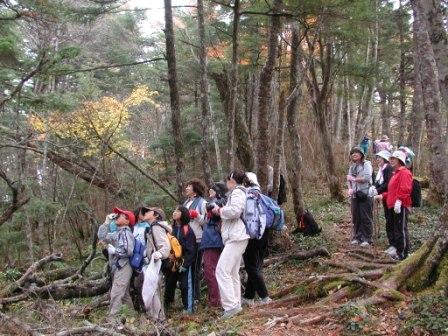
x,y
391,185
214,241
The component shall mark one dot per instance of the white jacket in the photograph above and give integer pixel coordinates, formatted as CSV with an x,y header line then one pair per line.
x,y
233,228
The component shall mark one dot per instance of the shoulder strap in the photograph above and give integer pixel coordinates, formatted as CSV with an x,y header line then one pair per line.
x,y
197,202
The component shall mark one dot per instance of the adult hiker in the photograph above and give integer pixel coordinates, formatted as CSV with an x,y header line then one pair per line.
x,y
235,241
195,192
382,179
116,233
184,274
211,244
157,247
382,144
398,200
359,180
365,143
253,259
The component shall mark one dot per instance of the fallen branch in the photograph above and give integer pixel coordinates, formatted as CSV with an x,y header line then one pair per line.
x,y
301,255
91,328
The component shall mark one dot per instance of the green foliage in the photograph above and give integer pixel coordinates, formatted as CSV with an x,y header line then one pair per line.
x,y
430,315
354,317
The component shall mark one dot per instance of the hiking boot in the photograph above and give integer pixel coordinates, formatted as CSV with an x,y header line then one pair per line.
x,y
391,251
354,242
231,312
265,300
364,244
247,302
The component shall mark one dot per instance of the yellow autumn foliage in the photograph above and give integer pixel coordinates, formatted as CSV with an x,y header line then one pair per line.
x,y
95,123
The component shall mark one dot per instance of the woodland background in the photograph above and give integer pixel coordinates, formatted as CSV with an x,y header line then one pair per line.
x,y
94,113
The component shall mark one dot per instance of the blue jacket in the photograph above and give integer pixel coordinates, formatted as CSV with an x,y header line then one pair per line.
x,y
211,237
188,243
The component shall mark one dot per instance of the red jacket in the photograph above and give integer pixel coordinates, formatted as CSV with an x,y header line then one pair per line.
x,y
399,188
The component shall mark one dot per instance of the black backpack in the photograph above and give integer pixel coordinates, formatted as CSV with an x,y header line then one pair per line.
x,y
416,194
307,225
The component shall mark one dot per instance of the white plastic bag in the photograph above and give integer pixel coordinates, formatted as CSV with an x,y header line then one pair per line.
x,y
150,282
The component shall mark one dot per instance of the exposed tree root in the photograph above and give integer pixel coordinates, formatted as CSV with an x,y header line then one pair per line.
x,y
300,255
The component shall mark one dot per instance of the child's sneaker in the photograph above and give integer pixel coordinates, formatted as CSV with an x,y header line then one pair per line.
x,y
266,300
247,302
364,244
354,242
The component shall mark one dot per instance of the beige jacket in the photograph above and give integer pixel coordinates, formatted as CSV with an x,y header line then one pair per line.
x,y
233,228
158,240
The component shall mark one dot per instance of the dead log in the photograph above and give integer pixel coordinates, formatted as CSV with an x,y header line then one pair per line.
x,y
62,292
300,255
14,326
30,272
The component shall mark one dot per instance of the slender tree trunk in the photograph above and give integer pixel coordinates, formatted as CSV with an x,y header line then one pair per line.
x,y
204,94
254,113
294,162
432,104
401,77
174,97
279,144
245,149
417,116
233,101
264,99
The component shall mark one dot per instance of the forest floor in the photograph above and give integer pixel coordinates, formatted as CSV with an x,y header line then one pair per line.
x,y
294,310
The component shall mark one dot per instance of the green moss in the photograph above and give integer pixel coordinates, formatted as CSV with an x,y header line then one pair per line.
x,y
336,284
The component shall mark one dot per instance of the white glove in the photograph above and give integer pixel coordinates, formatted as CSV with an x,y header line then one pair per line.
x,y
110,249
284,228
157,255
372,191
109,218
397,206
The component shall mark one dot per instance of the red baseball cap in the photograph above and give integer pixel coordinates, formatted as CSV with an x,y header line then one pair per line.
x,y
130,215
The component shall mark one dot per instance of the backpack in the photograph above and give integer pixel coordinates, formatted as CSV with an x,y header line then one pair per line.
x,y
254,216
275,216
416,194
308,225
136,261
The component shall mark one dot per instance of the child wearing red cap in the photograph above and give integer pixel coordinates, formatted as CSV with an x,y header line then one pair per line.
x,y
116,233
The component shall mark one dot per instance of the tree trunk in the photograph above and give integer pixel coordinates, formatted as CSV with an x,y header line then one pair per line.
x,y
279,144
245,149
233,92
434,13
204,94
401,77
294,163
174,97
432,104
264,99
319,100
417,116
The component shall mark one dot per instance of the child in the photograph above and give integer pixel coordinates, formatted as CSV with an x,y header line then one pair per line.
x,y
187,239
120,247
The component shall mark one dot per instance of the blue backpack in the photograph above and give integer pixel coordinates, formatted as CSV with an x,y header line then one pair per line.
x,y
136,260
254,216
275,216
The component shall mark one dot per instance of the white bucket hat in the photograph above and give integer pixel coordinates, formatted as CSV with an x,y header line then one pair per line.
x,y
384,154
400,156
252,178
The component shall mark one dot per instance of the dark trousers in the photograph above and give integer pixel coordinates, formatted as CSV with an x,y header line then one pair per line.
x,y
389,215
136,291
197,273
186,282
211,257
362,213
401,234
253,263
